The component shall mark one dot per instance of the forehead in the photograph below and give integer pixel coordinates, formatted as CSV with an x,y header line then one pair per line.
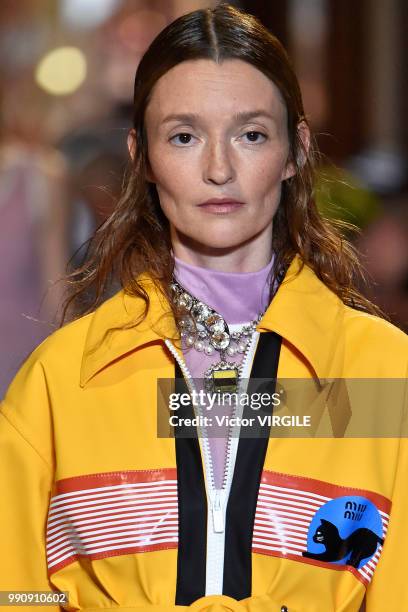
x,y
214,90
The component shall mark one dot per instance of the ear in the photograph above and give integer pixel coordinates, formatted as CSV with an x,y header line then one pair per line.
x,y
131,143
132,147
304,135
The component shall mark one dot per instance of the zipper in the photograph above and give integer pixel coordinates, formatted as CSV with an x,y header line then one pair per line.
x,y
217,498
217,513
247,361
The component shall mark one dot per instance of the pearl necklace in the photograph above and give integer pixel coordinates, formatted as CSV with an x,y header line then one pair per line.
x,y
205,331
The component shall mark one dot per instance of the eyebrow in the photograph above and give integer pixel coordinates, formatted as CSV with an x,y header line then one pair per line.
x,y
238,117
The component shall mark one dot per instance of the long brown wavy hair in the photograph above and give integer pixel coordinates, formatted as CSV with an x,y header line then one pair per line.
x,y
135,239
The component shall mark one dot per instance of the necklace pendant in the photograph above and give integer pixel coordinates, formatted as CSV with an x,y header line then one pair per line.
x,y
222,377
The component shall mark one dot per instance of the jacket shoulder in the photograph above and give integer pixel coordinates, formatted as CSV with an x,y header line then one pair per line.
x,y
378,328
69,341
27,404
63,343
382,345
58,358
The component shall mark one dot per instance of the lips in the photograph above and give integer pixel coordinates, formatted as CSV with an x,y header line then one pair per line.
x,y
221,205
220,201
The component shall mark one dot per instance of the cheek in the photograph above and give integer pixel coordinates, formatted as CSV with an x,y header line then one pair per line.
x,y
171,173
173,196
269,173
264,190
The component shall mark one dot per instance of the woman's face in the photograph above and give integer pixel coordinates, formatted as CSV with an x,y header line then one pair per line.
x,y
217,131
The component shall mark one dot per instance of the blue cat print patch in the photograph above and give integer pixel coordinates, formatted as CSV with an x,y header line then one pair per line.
x,y
319,523
347,530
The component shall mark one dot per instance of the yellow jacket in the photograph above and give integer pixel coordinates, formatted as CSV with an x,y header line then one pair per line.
x,y
79,444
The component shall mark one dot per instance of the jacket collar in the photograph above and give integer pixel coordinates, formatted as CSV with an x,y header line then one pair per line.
x,y
303,311
111,334
310,317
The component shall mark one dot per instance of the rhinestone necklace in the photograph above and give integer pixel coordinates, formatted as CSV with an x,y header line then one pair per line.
x,y
206,331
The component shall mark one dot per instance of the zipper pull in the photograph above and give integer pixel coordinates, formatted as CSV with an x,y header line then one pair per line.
x,y
217,512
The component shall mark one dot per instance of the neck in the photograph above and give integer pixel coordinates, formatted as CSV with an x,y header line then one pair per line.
x,y
249,257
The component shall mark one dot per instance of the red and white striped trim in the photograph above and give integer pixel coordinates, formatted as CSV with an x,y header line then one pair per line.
x,y
103,515
285,508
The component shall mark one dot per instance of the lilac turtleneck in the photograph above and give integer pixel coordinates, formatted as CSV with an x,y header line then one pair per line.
x,y
239,297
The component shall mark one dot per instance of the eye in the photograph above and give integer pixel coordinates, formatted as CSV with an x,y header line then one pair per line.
x,y
253,136
185,138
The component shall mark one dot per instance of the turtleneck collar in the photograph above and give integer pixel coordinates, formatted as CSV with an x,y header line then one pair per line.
x,y
239,297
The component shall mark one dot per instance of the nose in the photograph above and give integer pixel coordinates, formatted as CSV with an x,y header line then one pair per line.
x,y
218,166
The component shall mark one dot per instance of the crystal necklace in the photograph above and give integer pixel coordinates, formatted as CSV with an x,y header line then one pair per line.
x,y
206,331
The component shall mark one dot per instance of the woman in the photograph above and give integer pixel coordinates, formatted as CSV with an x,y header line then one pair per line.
x,y
220,195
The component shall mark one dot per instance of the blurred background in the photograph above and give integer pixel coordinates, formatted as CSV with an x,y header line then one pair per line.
x,y
66,80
